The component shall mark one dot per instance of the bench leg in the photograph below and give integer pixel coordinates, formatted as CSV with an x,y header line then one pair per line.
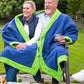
x,y
67,72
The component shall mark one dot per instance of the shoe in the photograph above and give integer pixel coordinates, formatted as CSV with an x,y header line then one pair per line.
x,y
3,81
41,81
78,76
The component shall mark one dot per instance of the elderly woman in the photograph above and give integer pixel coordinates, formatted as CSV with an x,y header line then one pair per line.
x,y
30,24
22,31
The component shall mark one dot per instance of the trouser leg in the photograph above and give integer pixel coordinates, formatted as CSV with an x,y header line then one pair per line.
x,y
37,77
54,81
11,73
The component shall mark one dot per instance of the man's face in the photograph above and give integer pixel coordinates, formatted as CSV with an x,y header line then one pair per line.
x,y
50,6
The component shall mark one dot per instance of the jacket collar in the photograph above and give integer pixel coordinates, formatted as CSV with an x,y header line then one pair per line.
x,y
28,21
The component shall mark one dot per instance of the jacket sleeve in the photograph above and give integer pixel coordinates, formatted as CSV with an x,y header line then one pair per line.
x,y
71,31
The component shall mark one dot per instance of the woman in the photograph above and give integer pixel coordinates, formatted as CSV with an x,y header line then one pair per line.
x,y
18,32
28,10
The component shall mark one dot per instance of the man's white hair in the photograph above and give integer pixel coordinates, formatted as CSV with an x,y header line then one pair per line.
x,y
56,0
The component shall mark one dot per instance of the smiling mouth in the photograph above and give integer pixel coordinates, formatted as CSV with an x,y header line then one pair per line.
x,y
25,13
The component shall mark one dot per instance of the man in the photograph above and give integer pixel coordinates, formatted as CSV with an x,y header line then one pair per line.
x,y
56,53
46,52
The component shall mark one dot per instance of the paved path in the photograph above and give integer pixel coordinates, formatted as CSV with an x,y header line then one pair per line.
x,y
28,79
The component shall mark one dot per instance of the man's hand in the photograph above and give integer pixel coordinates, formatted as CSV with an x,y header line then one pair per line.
x,y
21,46
61,39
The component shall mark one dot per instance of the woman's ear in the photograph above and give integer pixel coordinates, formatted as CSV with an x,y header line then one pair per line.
x,y
33,10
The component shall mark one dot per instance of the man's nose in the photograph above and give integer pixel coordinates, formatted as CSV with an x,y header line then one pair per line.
x,y
47,5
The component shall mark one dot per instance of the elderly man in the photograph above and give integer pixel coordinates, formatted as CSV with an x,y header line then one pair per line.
x,y
58,29
49,52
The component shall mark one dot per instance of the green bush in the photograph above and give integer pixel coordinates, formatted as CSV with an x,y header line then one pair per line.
x,y
9,8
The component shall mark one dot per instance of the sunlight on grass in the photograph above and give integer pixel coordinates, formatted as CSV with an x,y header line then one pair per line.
x,y
1,44
2,69
1,26
76,53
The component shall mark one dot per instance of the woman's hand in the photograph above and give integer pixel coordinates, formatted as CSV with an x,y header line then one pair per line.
x,y
21,46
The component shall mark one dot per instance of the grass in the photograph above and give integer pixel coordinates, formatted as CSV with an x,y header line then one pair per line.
x,y
1,41
76,52
1,26
2,70
75,81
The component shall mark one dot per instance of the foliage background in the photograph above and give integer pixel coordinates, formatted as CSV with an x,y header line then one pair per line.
x,y
10,8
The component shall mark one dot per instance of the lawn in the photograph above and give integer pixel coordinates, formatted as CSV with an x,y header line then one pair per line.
x,y
76,52
2,70
1,26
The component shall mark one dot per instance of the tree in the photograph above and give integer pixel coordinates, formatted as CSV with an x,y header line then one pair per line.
x,y
73,8
82,8
62,6
10,8
39,4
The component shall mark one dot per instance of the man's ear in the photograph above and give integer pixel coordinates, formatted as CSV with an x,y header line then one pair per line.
x,y
56,4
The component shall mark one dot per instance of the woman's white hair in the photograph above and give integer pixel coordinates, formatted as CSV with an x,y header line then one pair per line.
x,y
31,3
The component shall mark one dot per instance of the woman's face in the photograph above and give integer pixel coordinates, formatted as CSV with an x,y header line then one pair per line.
x,y
28,11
